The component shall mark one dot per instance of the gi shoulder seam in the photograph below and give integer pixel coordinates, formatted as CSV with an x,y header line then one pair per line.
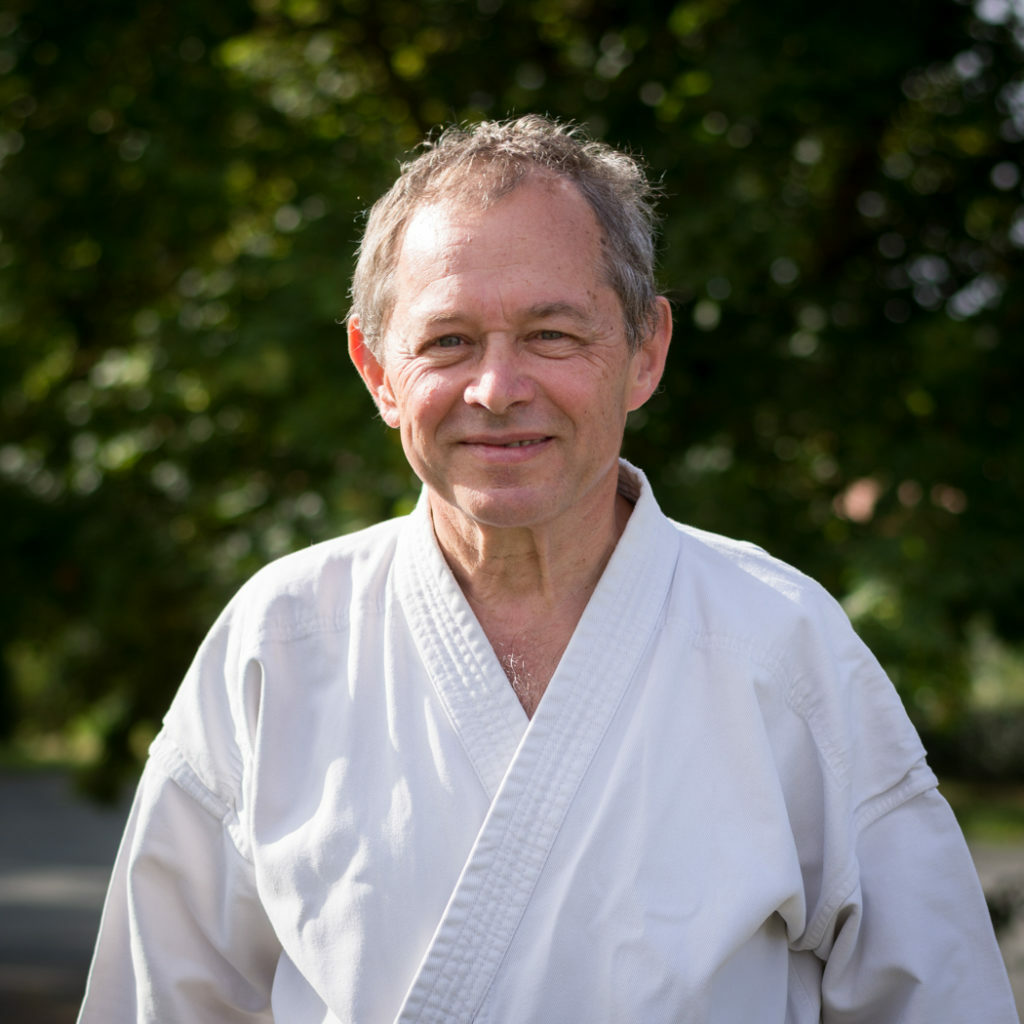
x,y
165,755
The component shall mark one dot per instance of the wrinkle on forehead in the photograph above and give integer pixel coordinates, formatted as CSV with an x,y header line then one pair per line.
x,y
466,211
439,235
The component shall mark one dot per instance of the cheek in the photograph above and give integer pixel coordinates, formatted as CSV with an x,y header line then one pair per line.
x,y
604,406
423,401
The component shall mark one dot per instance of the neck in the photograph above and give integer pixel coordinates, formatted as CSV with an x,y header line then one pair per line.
x,y
528,586
515,569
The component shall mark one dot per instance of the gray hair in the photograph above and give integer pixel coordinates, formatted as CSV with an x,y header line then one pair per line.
x,y
485,162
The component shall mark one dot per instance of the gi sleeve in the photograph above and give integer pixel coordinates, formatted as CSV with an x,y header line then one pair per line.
x,y
183,938
913,942
899,921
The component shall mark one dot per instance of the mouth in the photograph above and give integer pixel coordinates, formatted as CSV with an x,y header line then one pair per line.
x,y
512,442
494,445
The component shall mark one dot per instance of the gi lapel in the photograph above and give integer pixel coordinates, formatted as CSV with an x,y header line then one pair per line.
x,y
538,787
465,673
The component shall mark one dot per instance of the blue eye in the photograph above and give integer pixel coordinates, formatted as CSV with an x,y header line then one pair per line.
x,y
448,341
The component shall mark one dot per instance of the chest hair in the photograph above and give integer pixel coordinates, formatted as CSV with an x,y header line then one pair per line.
x,y
529,659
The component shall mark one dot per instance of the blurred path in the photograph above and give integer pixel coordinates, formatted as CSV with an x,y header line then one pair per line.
x,y
56,852
1001,870
55,857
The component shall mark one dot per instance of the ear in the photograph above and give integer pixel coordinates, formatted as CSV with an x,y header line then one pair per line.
x,y
649,361
372,371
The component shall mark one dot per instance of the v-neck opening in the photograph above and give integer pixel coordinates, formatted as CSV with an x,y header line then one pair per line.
x,y
464,669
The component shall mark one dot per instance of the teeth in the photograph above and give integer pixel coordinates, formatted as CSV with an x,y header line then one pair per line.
x,y
520,444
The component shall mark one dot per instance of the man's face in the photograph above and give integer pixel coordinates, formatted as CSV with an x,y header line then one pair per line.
x,y
506,366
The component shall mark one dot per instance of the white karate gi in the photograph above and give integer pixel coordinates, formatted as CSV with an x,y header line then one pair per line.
x,y
719,812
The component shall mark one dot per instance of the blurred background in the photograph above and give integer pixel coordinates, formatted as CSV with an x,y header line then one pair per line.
x,y
181,190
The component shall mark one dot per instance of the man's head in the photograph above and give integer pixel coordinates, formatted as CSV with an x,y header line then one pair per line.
x,y
505,362
484,163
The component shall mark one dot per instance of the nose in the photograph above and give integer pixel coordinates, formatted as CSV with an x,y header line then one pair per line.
x,y
499,380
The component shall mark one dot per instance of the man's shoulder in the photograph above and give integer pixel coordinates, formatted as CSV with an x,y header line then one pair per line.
x,y
375,541
739,587
744,563
311,588
712,561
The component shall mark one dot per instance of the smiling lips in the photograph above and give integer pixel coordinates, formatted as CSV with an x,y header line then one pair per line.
x,y
496,443
519,441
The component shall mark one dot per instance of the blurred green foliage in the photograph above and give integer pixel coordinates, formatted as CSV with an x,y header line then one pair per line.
x,y
181,188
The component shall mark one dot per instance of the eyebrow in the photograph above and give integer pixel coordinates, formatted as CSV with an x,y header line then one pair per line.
x,y
539,311
547,309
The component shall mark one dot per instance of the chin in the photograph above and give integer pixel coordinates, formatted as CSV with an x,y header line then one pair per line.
x,y
504,510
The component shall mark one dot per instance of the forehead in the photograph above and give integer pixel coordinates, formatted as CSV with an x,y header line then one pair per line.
x,y
541,237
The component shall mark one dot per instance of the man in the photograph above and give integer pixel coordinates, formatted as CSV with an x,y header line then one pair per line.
x,y
535,752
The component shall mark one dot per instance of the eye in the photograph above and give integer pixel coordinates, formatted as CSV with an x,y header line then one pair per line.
x,y
448,341
550,335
